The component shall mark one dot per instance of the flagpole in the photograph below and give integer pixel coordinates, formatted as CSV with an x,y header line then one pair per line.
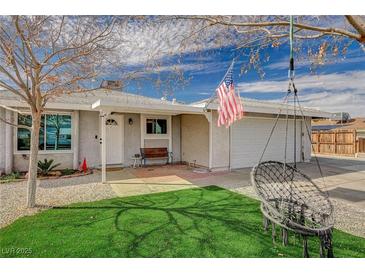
x,y
227,71
215,94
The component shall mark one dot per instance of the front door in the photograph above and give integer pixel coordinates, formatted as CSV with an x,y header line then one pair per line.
x,y
114,139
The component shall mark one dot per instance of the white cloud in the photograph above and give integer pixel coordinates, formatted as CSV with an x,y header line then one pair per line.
x,y
198,68
284,63
352,102
177,67
330,92
149,39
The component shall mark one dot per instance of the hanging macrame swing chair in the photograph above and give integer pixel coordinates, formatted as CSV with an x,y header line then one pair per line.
x,y
289,198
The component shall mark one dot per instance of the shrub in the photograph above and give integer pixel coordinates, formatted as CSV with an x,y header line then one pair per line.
x,y
46,166
10,177
67,171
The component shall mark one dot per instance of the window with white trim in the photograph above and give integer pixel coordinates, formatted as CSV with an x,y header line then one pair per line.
x,y
156,126
55,132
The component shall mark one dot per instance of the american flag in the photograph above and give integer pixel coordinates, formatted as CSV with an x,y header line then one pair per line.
x,y
230,106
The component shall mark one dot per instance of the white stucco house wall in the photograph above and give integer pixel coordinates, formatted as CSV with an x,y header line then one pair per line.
x,y
107,127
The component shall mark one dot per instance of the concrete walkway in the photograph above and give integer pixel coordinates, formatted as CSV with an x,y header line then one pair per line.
x,y
128,181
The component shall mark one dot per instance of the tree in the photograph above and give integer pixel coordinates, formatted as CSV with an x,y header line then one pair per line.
x,y
42,57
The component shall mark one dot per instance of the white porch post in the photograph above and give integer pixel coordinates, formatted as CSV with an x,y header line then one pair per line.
x,y
209,116
169,127
8,142
142,127
103,146
76,141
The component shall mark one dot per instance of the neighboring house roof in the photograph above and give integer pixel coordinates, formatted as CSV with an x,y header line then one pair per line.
x,y
251,105
326,127
114,100
355,123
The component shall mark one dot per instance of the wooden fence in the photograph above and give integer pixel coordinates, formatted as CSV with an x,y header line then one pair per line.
x,y
361,145
339,142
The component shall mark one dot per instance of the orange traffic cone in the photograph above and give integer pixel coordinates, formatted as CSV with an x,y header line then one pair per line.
x,y
83,166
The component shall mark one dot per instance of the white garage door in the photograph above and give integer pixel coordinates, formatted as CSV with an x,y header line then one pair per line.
x,y
250,135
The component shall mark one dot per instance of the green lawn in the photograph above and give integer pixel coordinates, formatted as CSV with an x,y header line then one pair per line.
x,y
201,222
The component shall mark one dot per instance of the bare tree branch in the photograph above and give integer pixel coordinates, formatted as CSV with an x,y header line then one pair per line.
x,y
25,41
325,30
358,23
14,125
14,91
103,34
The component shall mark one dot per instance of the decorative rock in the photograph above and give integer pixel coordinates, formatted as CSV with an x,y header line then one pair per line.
x,y
56,173
50,192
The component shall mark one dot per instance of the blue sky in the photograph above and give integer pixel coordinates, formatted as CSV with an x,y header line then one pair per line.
x,y
339,85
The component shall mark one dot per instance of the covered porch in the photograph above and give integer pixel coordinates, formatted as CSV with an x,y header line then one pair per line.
x,y
142,125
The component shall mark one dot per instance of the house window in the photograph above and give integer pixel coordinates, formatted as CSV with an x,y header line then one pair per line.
x,y
58,132
55,132
23,141
111,122
156,126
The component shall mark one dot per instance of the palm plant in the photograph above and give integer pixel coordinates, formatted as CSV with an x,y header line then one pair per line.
x,y
46,166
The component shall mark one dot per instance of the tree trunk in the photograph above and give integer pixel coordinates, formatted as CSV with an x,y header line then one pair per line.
x,y
33,159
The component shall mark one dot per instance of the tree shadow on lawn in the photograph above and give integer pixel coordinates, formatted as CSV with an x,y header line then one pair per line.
x,y
203,222
199,222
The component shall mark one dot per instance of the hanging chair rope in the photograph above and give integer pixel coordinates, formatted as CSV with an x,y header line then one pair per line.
x,y
291,72
310,140
286,132
285,100
291,88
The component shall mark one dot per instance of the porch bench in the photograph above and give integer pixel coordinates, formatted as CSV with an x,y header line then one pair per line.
x,y
154,153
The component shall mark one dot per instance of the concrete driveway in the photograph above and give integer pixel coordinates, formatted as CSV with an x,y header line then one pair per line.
x,y
343,178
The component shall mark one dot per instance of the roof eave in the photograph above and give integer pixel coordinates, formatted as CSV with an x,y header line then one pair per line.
x,y
50,105
158,108
274,110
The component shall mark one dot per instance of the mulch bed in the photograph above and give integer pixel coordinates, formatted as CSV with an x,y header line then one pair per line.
x,y
76,174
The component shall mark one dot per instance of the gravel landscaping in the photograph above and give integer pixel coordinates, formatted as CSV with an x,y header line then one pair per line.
x,y
349,218
54,192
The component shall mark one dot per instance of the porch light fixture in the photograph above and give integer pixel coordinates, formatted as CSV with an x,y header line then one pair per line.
x,y
130,121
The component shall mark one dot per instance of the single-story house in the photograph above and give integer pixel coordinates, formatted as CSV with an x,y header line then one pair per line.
x,y
108,127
